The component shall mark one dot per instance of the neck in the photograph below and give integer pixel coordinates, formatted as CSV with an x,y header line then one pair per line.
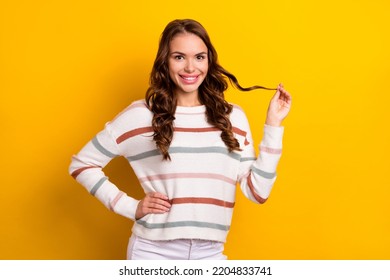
x,y
188,99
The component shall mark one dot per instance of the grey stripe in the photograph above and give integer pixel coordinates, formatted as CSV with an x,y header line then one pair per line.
x,y
263,174
193,150
183,224
247,159
98,185
147,154
101,149
200,150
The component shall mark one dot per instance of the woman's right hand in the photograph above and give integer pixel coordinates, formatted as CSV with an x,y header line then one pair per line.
x,y
153,202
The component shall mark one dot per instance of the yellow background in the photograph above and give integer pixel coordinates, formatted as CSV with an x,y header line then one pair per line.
x,y
67,67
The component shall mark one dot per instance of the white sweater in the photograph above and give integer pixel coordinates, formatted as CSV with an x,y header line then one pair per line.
x,y
200,180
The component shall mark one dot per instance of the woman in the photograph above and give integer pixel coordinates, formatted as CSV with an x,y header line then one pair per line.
x,y
188,147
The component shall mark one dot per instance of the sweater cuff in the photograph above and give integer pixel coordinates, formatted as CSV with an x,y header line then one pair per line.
x,y
273,136
126,206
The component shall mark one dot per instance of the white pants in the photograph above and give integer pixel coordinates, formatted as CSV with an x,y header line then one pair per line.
x,y
179,249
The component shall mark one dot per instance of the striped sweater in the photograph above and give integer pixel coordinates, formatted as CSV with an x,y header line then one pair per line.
x,y
200,180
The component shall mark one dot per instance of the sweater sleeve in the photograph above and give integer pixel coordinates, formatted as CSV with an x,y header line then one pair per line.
x,y
257,175
86,167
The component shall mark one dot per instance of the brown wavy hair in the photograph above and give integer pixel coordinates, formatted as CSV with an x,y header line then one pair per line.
x,y
162,101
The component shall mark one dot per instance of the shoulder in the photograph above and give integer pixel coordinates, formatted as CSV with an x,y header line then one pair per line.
x,y
136,114
139,106
238,114
136,108
240,125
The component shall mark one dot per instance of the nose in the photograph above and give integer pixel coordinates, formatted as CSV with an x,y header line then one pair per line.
x,y
189,67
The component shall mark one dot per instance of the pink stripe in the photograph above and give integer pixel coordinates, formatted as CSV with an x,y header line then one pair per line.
x,y
133,133
202,200
252,188
116,199
143,130
209,129
242,133
139,105
187,175
239,131
271,150
78,171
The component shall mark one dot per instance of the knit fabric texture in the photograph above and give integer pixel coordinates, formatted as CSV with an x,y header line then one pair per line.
x,y
200,180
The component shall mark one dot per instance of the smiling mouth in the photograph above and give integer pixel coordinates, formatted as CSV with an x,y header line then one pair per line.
x,y
189,78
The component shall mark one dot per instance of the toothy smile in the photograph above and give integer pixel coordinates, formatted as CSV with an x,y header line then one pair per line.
x,y
189,78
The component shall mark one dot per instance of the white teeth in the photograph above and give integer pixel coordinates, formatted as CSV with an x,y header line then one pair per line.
x,y
189,78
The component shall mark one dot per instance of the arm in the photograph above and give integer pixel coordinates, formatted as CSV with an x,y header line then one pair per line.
x,y
257,176
86,167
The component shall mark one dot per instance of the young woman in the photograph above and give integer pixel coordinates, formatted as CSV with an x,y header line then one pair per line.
x,y
188,147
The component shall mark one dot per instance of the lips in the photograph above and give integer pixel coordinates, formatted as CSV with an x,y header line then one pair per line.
x,y
189,79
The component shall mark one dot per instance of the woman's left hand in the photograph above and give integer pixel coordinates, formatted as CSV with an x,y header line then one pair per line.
x,y
279,107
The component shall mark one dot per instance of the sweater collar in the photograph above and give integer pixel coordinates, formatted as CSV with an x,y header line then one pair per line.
x,y
190,110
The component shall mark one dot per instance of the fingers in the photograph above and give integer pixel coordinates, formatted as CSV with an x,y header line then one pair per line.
x,y
153,203
284,95
279,107
277,93
157,202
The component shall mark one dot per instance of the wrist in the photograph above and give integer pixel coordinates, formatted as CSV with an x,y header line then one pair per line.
x,y
273,122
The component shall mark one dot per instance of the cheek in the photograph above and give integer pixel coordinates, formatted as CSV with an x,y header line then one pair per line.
x,y
173,67
171,70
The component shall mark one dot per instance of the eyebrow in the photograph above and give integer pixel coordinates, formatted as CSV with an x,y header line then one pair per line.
x,y
180,53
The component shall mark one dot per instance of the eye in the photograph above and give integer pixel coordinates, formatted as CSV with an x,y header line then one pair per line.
x,y
178,57
200,57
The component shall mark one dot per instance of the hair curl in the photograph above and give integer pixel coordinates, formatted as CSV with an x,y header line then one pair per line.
x,y
162,101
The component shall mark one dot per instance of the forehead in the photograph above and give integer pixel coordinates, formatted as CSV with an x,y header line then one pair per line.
x,y
187,43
